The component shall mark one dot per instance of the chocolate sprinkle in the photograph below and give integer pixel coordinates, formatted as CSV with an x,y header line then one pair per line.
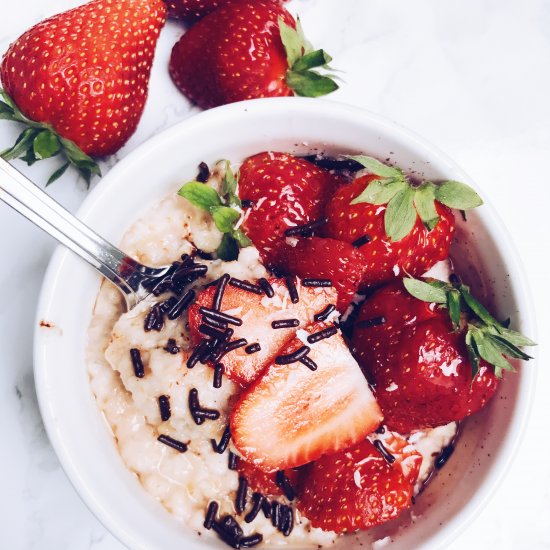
x,y
317,282
229,531
323,315
235,344
212,332
213,323
252,540
164,407
285,323
198,413
388,457
181,305
240,500
444,456
361,241
266,287
194,358
306,230
224,442
220,317
374,322
287,522
253,348
257,501
309,363
275,513
202,177
174,443
322,334
211,513
232,461
137,363
247,203
292,290
331,163
171,347
283,482
266,508
380,430
154,319
220,289
245,285
292,357
218,375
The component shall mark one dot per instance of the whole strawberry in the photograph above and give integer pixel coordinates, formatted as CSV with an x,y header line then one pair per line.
x,y
247,49
193,10
399,227
80,80
434,353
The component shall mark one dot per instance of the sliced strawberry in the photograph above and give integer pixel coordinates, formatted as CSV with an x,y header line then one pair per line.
x,y
293,415
363,224
329,259
257,312
405,455
353,489
266,483
285,191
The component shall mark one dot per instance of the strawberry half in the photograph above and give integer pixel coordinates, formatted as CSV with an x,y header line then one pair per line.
x,y
285,191
330,259
353,489
293,415
247,49
257,313
79,80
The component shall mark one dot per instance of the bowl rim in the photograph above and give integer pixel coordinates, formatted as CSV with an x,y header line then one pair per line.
x,y
518,286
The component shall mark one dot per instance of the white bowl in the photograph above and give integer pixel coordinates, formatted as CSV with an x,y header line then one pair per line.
x,y
74,423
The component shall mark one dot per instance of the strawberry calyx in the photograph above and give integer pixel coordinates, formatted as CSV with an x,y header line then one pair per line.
x,y
225,208
302,60
485,338
405,200
39,141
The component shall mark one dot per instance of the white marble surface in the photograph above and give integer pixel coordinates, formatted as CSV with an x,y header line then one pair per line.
x,y
470,75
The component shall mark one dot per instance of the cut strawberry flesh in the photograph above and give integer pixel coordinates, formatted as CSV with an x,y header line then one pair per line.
x,y
257,314
293,415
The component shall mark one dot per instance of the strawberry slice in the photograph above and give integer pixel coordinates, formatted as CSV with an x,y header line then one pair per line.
x,y
293,415
353,489
330,259
285,191
405,454
257,313
266,483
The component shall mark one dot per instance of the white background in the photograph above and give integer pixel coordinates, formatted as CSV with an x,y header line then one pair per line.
x,y
472,76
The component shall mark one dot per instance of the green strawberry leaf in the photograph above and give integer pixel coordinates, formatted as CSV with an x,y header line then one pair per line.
x,y
515,338
225,218
22,144
228,250
292,42
380,191
310,83
200,195
242,240
400,215
491,353
425,206
58,173
507,348
473,353
455,194
476,307
312,60
229,186
427,291
378,168
453,304
45,145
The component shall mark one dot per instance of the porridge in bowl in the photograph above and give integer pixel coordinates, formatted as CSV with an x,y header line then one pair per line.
x,y
294,378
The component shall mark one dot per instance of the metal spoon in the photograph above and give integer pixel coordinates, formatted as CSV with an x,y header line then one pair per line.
x,y
126,273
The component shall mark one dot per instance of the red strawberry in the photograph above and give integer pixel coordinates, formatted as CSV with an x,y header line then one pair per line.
x,y
193,10
420,367
257,313
406,456
353,489
338,261
285,191
266,483
384,260
292,415
84,73
247,49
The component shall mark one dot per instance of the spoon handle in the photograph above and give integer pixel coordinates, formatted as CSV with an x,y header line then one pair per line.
x,y
38,207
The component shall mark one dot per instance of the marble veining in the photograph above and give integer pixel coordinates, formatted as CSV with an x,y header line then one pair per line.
x,y
471,76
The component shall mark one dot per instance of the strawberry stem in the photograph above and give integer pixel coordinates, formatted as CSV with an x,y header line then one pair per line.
x,y
39,141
